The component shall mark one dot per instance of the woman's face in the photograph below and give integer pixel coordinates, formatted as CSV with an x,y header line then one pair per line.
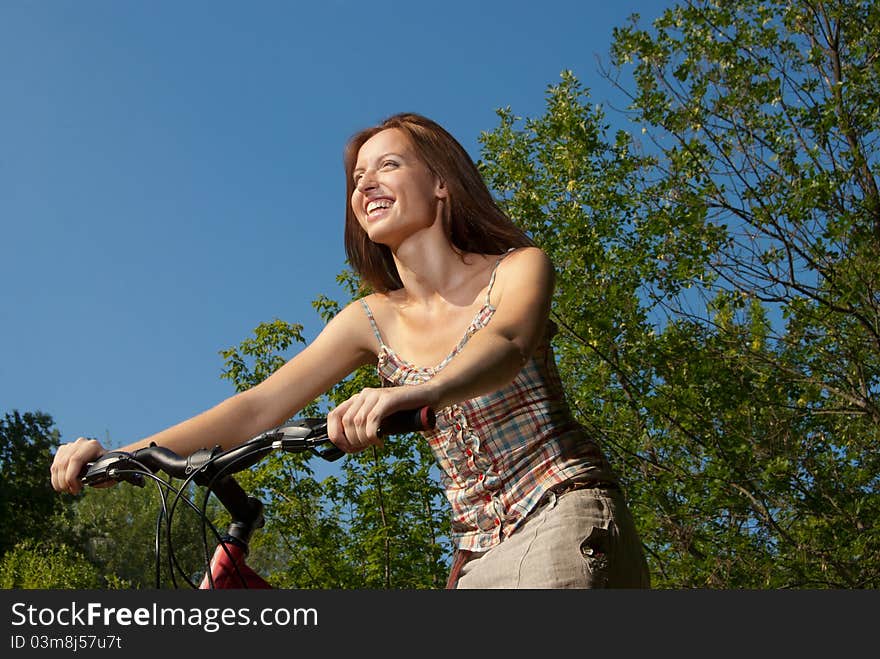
x,y
395,193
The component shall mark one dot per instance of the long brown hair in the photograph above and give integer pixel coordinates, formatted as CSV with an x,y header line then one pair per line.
x,y
472,220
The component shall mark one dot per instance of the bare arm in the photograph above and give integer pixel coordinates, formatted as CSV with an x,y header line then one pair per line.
x,y
494,356
346,343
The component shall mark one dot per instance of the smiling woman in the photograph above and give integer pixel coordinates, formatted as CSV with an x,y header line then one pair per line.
x,y
458,320
393,189
468,213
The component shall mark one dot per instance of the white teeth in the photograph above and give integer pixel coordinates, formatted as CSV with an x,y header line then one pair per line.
x,y
378,203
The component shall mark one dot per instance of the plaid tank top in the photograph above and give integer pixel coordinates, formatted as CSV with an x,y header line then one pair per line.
x,y
499,453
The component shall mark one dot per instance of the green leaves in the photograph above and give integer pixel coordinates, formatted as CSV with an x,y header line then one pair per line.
x,y
27,442
717,288
264,351
36,565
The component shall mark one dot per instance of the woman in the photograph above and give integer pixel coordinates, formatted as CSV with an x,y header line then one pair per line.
x,y
458,320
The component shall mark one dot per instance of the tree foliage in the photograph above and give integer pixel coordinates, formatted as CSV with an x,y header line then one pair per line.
x,y
717,289
106,538
26,444
36,565
123,532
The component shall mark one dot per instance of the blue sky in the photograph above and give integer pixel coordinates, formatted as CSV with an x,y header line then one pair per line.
x,y
170,172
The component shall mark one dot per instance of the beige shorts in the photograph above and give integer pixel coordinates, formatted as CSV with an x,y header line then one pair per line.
x,y
583,538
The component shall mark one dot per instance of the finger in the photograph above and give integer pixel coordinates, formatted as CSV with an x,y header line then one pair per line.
x,y
60,466
350,425
55,470
372,417
365,420
335,430
71,476
84,449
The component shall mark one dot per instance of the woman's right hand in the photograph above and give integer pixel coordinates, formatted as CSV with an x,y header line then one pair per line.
x,y
69,461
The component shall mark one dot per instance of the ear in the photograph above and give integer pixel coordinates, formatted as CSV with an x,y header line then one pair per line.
x,y
440,189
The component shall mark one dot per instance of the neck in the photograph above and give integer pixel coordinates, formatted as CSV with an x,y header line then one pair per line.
x,y
429,266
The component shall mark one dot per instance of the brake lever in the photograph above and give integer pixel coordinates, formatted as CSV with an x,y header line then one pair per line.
x,y
306,435
106,469
329,453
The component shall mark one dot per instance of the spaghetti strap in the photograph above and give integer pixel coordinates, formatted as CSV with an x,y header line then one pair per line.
x,y
372,322
494,271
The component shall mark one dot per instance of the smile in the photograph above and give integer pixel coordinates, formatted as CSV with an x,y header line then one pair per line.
x,y
377,206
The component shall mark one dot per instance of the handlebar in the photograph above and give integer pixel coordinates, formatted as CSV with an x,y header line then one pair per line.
x,y
205,465
214,469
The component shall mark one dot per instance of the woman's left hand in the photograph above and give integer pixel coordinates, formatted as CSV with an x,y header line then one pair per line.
x,y
354,425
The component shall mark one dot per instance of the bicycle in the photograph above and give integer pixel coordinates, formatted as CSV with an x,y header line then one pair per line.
x,y
213,470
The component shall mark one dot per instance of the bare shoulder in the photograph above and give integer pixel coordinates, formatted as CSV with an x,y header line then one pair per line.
x,y
527,272
534,255
380,305
351,327
526,264
377,313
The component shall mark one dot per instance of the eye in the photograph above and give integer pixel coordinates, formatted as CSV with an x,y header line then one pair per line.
x,y
389,163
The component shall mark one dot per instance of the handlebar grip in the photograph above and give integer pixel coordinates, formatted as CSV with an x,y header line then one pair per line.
x,y
422,418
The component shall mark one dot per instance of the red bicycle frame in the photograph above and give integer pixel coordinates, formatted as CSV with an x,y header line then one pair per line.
x,y
228,569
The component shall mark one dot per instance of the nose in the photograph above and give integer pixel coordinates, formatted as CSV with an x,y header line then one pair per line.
x,y
367,181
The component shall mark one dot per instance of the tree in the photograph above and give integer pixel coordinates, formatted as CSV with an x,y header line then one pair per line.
x,y
584,197
765,114
717,288
116,530
32,564
26,444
